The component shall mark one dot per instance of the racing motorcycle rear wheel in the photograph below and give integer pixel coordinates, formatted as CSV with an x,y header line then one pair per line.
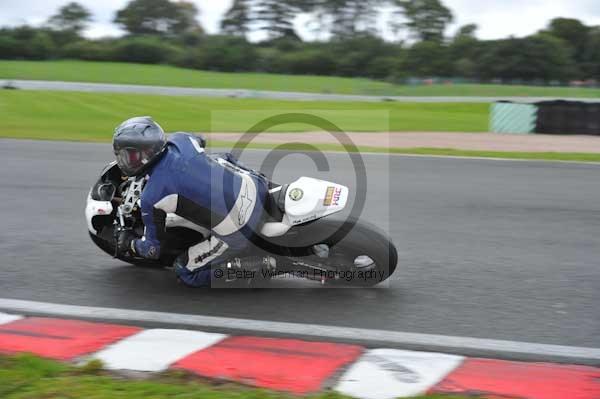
x,y
348,253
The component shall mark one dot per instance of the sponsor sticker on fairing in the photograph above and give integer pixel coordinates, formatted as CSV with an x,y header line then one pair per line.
x,y
332,196
328,196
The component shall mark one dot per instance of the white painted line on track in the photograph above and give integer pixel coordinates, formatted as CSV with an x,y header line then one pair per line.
x,y
366,336
398,154
392,373
155,349
8,318
431,156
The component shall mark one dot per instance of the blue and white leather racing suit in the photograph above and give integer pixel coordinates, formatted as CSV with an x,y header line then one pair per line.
x,y
215,193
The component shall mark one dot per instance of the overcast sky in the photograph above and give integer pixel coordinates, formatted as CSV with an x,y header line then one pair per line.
x,y
496,18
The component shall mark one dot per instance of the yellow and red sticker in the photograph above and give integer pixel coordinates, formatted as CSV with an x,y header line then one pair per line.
x,y
332,196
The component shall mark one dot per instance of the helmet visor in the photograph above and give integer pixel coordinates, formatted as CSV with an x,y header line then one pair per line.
x,y
130,160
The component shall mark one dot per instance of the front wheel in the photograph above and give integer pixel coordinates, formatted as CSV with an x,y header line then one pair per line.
x,y
109,248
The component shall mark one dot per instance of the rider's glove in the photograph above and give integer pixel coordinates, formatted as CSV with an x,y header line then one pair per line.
x,y
125,243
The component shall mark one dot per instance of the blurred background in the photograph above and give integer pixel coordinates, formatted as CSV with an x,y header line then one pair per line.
x,y
424,42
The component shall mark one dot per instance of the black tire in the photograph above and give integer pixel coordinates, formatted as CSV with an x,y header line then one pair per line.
x,y
367,240
109,248
349,240
104,245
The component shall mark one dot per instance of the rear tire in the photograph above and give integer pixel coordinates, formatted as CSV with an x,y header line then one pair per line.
x,y
375,256
361,239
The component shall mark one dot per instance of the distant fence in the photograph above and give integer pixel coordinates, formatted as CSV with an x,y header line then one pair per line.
x,y
546,117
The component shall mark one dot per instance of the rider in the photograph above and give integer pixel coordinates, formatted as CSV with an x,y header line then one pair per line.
x,y
216,193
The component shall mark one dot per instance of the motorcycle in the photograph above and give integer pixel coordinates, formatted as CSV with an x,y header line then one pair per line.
x,y
296,230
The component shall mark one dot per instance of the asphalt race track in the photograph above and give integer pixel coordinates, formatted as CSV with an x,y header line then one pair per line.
x,y
488,249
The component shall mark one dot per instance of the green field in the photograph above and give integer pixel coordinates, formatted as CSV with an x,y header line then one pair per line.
x,y
29,377
93,116
109,72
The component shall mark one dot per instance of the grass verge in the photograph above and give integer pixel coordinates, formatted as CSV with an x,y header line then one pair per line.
x,y
93,116
124,73
29,377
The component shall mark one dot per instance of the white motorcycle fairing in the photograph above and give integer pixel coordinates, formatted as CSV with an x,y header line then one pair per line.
x,y
307,199
96,208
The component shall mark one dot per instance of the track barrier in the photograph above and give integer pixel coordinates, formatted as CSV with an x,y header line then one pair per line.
x,y
559,117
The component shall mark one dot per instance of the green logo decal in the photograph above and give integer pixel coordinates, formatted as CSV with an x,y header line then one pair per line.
x,y
296,194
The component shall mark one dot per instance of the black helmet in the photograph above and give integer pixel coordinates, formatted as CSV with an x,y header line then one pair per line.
x,y
138,143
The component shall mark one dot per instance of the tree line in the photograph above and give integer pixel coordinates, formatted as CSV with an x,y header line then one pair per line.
x,y
168,32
